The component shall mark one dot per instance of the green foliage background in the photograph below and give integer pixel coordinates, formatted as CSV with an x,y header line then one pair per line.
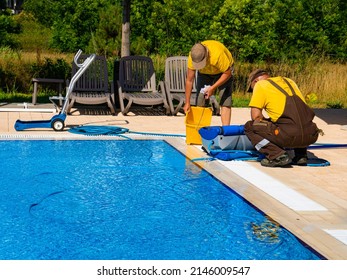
x,y
302,39
254,30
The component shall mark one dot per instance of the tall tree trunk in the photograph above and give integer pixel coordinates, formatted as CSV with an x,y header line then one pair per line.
x,y
126,29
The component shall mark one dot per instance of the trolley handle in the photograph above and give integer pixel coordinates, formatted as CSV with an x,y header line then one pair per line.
x,y
85,62
82,68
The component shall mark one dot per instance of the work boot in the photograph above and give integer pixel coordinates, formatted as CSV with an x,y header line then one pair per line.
x,y
300,160
280,161
300,156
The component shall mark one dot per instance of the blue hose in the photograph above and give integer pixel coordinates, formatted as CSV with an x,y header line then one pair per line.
x,y
95,130
98,130
157,134
326,145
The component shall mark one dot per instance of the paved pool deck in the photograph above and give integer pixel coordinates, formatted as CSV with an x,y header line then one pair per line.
x,y
309,201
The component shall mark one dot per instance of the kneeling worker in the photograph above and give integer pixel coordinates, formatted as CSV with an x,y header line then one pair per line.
x,y
289,124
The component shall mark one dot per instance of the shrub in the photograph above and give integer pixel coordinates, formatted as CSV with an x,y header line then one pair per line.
x,y
335,105
18,68
59,69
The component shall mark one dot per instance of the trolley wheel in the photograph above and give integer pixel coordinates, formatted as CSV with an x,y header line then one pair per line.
x,y
58,125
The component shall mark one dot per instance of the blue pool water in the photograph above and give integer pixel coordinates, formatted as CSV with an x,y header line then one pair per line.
x,y
132,200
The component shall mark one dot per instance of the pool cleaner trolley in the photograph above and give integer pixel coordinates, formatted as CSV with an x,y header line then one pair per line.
x,y
57,121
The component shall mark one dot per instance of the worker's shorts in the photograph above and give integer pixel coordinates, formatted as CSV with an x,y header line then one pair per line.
x,y
224,91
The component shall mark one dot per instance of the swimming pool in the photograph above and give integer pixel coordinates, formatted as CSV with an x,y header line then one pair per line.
x,y
134,200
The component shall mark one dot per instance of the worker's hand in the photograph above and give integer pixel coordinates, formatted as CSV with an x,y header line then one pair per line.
x,y
208,92
186,108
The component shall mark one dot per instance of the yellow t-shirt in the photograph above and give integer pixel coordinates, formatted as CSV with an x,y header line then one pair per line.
x,y
219,60
266,96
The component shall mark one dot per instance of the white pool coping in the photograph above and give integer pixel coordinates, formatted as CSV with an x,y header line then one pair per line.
x,y
339,234
273,187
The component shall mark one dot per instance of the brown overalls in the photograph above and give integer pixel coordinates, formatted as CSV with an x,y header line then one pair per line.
x,y
293,129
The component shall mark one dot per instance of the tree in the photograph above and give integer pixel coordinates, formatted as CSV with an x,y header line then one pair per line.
x,y
270,30
276,30
73,22
126,28
107,38
73,26
171,26
45,11
330,18
8,27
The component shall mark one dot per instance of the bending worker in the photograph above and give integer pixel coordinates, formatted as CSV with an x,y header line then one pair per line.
x,y
289,124
214,64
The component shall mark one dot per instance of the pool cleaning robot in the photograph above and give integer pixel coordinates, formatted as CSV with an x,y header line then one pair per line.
x,y
227,142
57,121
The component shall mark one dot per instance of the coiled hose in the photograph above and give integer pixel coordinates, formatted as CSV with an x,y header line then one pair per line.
x,y
107,130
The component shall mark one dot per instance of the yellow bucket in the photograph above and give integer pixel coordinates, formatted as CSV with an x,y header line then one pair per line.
x,y
196,118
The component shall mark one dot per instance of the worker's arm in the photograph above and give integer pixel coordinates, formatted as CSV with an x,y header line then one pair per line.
x,y
221,81
256,114
189,87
